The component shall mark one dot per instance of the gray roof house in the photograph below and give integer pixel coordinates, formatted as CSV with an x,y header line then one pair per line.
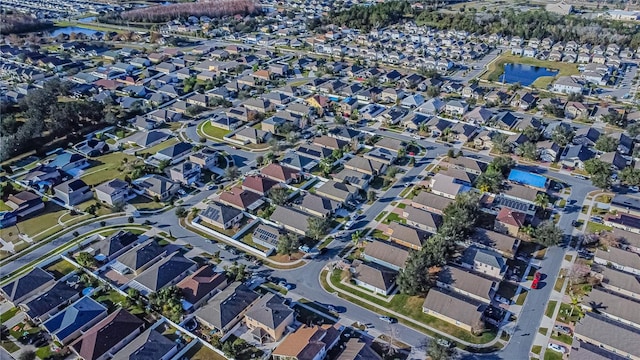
x,y
292,220
32,283
226,308
73,192
221,216
150,345
165,272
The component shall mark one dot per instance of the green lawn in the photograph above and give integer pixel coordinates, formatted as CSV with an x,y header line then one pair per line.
x,y
42,221
410,306
521,297
4,207
558,284
402,205
543,331
109,167
381,216
9,314
10,346
567,339
110,299
61,268
213,131
552,355
394,217
496,68
594,227
163,145
44,352
201,352
551,307
380,235
144,203
536,349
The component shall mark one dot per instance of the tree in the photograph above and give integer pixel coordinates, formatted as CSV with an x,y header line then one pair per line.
x,y
600,172
167,301
542,200
163,164
630,176
85,259
392,171
317,227
451,154
356,237
181,212
371,196
533,134
278,195
232,172
501,143
416,278
27,355
528,150
436,351
634,129
606,144
288,244
548,234
562,134
259,160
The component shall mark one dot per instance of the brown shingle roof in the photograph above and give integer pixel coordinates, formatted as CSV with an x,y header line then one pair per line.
x,y
106,334
465,310
279,172
258,184
511,217
202,282
307,342
239,198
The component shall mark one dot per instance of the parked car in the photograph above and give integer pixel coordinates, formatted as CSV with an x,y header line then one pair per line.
x,y
555,347
387,319
349,224
445,343
562,329
536,280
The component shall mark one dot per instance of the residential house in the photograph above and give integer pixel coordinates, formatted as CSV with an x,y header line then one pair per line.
x,y
268,318
68,324
509,221
357,349
156,186
319,206
549,151
455,309
281,173
221,216
308,343
479,115
374,277
73,192
344,133
48,303
447,186
456,107
290,219
567,85
108,336
469,165
252,135
298,161
112,192
27,286
407,236
205,158
618,259
506,245
587,136
173,153
138,258
24,203
185,173
353,178
150,345
576,110
227,308
605,334
69,162
165,272
330,143
200,286
620,282
467,283
431,202
385,254
365,166
484,261
114,245
241,199
575,156
422,219
258,184
266,236
612,306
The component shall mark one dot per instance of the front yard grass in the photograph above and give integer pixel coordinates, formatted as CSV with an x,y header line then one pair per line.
x,y
10,346
394,217
61,268
558,284
381,216
42,221
552,355
9,314
521,297
201,352
594,227
551,307
4,207
536,349
213,131
141,202
567,339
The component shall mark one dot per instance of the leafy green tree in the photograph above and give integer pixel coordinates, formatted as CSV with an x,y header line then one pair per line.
x,y
600,172
416,279
542,200
630,176
278,195
501,143
634,129
232,172
356,237
288,244
563,134
437,351
181,212
27,355
528,150
163,164
167,302
85,259
606,144
317,227
548,234
371,196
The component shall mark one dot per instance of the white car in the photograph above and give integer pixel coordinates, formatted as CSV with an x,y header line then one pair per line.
x,y
555,347
349,224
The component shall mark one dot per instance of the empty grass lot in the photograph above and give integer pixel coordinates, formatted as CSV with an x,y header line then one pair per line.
x,y
163,145
108,168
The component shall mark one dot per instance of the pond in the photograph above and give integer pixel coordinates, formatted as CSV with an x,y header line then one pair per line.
x,y
72,29
524,74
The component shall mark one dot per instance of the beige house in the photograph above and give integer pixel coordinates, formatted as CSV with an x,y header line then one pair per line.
x,y
269,318
455,309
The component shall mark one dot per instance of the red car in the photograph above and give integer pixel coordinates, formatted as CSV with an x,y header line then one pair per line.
x,y
536,280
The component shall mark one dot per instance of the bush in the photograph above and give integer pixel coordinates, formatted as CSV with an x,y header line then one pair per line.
x,y
130,219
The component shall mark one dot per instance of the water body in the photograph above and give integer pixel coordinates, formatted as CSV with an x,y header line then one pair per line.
x,y
88,19
72,29
524,74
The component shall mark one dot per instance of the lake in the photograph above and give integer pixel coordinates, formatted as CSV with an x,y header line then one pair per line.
x,y
524,74
72,29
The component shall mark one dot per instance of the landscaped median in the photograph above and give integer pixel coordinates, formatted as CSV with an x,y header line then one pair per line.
x,y
408,310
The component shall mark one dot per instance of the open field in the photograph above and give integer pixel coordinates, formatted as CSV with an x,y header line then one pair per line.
x,y
108,169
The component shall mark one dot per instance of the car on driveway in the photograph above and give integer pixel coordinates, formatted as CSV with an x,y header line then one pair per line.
x,y
562,329
555,347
